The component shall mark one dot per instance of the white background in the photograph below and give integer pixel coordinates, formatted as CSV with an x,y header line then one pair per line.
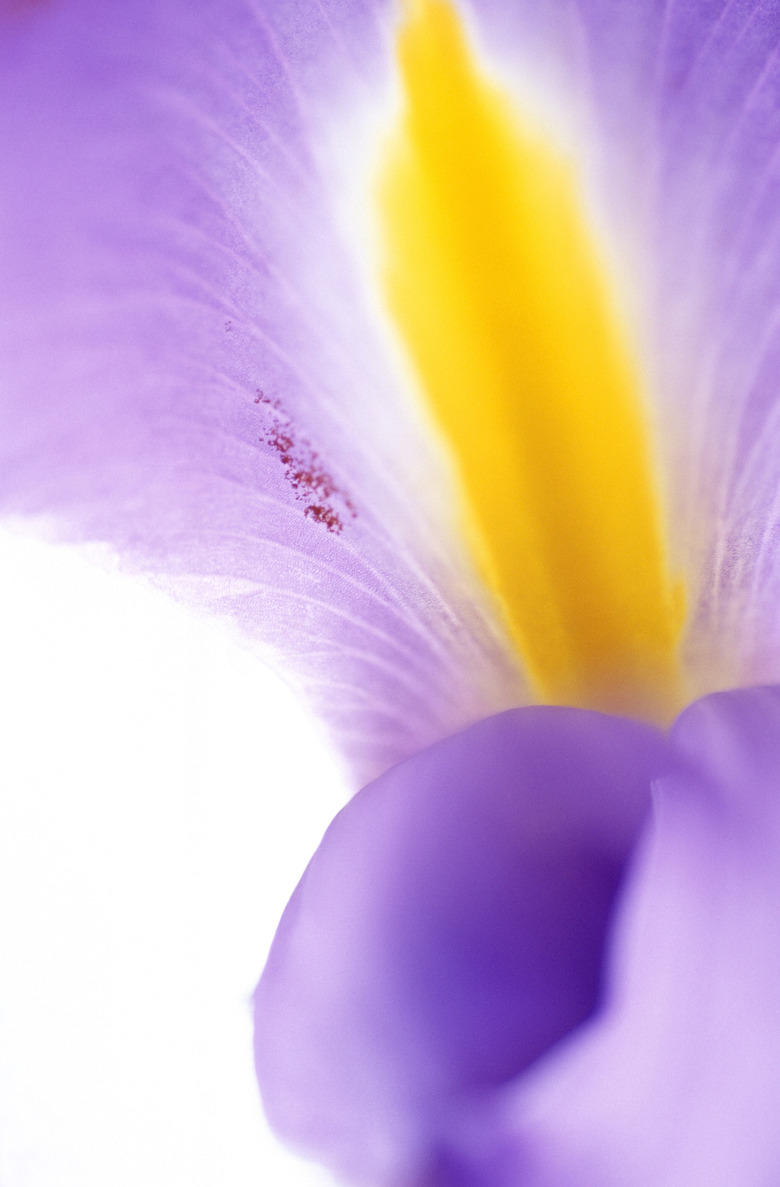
x,y
161,793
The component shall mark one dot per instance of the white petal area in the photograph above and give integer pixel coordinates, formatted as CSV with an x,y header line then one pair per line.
x,y
678,1084
161,794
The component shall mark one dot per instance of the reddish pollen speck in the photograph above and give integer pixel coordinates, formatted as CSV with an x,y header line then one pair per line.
x,y
303,469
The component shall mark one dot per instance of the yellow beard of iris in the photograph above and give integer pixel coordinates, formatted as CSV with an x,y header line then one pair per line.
x,y
494,282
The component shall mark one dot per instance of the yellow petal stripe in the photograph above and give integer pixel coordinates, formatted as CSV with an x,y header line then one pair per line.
x,y
495,285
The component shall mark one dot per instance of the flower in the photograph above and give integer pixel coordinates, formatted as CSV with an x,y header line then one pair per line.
x,y
197,371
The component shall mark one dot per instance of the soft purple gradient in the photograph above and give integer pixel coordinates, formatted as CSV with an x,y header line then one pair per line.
x,y
678,1083
452,926
173,246
449,930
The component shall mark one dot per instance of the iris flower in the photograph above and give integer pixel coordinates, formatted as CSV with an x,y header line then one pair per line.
x,y
435,345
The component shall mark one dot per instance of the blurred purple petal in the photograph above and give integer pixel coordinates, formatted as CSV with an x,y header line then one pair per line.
x,y
447,933
190,372
678,1082
389,1003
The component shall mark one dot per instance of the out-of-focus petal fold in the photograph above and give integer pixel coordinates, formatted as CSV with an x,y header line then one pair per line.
x,y
448,932
677,1084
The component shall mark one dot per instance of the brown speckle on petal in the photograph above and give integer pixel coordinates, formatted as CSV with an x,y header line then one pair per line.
x,y
326,502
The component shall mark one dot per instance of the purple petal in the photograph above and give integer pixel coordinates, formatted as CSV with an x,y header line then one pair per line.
x,y
447,933
190,369
717,249
678,1082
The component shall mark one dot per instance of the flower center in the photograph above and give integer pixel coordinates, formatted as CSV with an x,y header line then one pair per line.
x,y
493,278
